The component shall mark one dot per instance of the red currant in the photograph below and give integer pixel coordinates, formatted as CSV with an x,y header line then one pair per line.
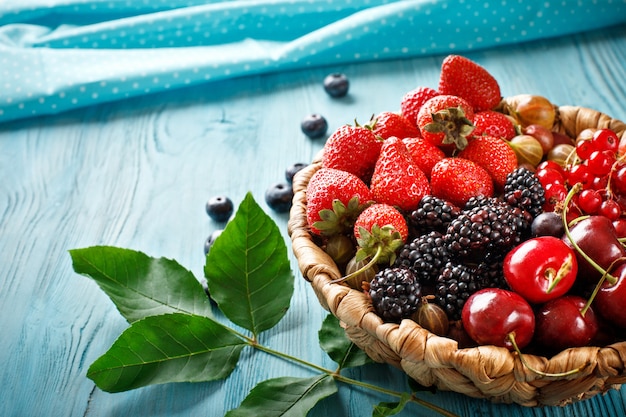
x,y
548,164
599,183
554,193
578,174
549,176
600,162
589,201
584,148
620,227
605,139
618,180
610,209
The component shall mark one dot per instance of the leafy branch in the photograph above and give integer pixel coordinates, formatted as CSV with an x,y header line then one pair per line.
x,y
174,337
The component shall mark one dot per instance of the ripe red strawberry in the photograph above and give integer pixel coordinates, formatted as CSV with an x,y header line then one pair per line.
x,y
388,124
413,101
353,149
381,215
463,77
446,121
458,179
494,155
425,155
396,180
335,198
493,123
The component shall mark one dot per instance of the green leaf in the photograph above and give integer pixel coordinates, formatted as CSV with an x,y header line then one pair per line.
x,y
139,285
385,409
167,348
342,350
285,397
248,271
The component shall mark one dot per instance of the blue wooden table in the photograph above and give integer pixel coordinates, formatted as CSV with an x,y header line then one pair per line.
x,y
137,173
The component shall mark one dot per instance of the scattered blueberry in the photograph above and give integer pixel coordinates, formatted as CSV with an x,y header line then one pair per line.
x,y
210,240
314,126
291,171
336,84
278,197
219,208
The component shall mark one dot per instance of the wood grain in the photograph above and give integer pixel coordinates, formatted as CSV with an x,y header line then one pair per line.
x,y
137,174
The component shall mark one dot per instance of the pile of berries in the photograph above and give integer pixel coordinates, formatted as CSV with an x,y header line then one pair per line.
x,y
466,211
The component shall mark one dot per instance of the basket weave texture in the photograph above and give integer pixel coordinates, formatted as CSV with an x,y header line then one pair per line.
x,y
485,372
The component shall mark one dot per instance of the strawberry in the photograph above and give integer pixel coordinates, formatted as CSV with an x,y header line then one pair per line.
x,y
388,124
382,216
494,155
413,101
446,121
463,77
425,155
493,123
380,231
335,198
396,180
458,179
353,149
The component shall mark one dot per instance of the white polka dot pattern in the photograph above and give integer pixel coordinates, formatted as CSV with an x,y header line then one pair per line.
x,y
82,52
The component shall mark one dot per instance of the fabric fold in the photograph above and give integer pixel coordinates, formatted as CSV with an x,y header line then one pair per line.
x,y
72,54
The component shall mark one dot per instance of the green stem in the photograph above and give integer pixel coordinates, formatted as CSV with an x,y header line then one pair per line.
x,y
338,377
371,263
612,280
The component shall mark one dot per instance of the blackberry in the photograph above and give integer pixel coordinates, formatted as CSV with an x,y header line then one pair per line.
x,y
424,256
494,227
455,285
490,272
523,189
395,293
432,214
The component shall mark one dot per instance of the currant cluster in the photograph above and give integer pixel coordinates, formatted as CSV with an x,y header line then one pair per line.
x,y
594,163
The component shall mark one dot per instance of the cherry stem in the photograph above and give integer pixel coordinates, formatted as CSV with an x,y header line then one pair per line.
x,y
576,188
371,263
599,285
555,278
511,337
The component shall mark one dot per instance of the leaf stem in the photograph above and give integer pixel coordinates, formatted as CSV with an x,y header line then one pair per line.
x,y
346,380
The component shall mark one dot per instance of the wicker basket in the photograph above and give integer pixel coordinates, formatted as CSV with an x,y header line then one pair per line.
x,y
486,372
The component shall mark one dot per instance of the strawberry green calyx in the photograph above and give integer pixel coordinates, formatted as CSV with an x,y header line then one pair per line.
x,y
340,218
379,246
453,123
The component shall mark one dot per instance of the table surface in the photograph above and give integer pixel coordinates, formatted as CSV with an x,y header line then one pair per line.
x,y
137,173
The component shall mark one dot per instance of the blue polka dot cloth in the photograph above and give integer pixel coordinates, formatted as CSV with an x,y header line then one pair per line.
x,y
58,55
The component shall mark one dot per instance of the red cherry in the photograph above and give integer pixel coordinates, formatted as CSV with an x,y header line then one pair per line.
x,y
609,302
492,316
553,193
589,201
540,269
620,227
605,139
560,324
618,180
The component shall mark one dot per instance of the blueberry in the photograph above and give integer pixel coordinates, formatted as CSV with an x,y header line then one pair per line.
x,y
210,240
336,84
278,197
314,126
291,171
219,208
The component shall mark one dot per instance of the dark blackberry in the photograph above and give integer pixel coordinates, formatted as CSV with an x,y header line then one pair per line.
x,y
425,256
494,227
490,272
523,189
395,293
432,213
454,286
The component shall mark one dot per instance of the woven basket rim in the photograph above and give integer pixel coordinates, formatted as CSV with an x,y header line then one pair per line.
x,y
487,372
